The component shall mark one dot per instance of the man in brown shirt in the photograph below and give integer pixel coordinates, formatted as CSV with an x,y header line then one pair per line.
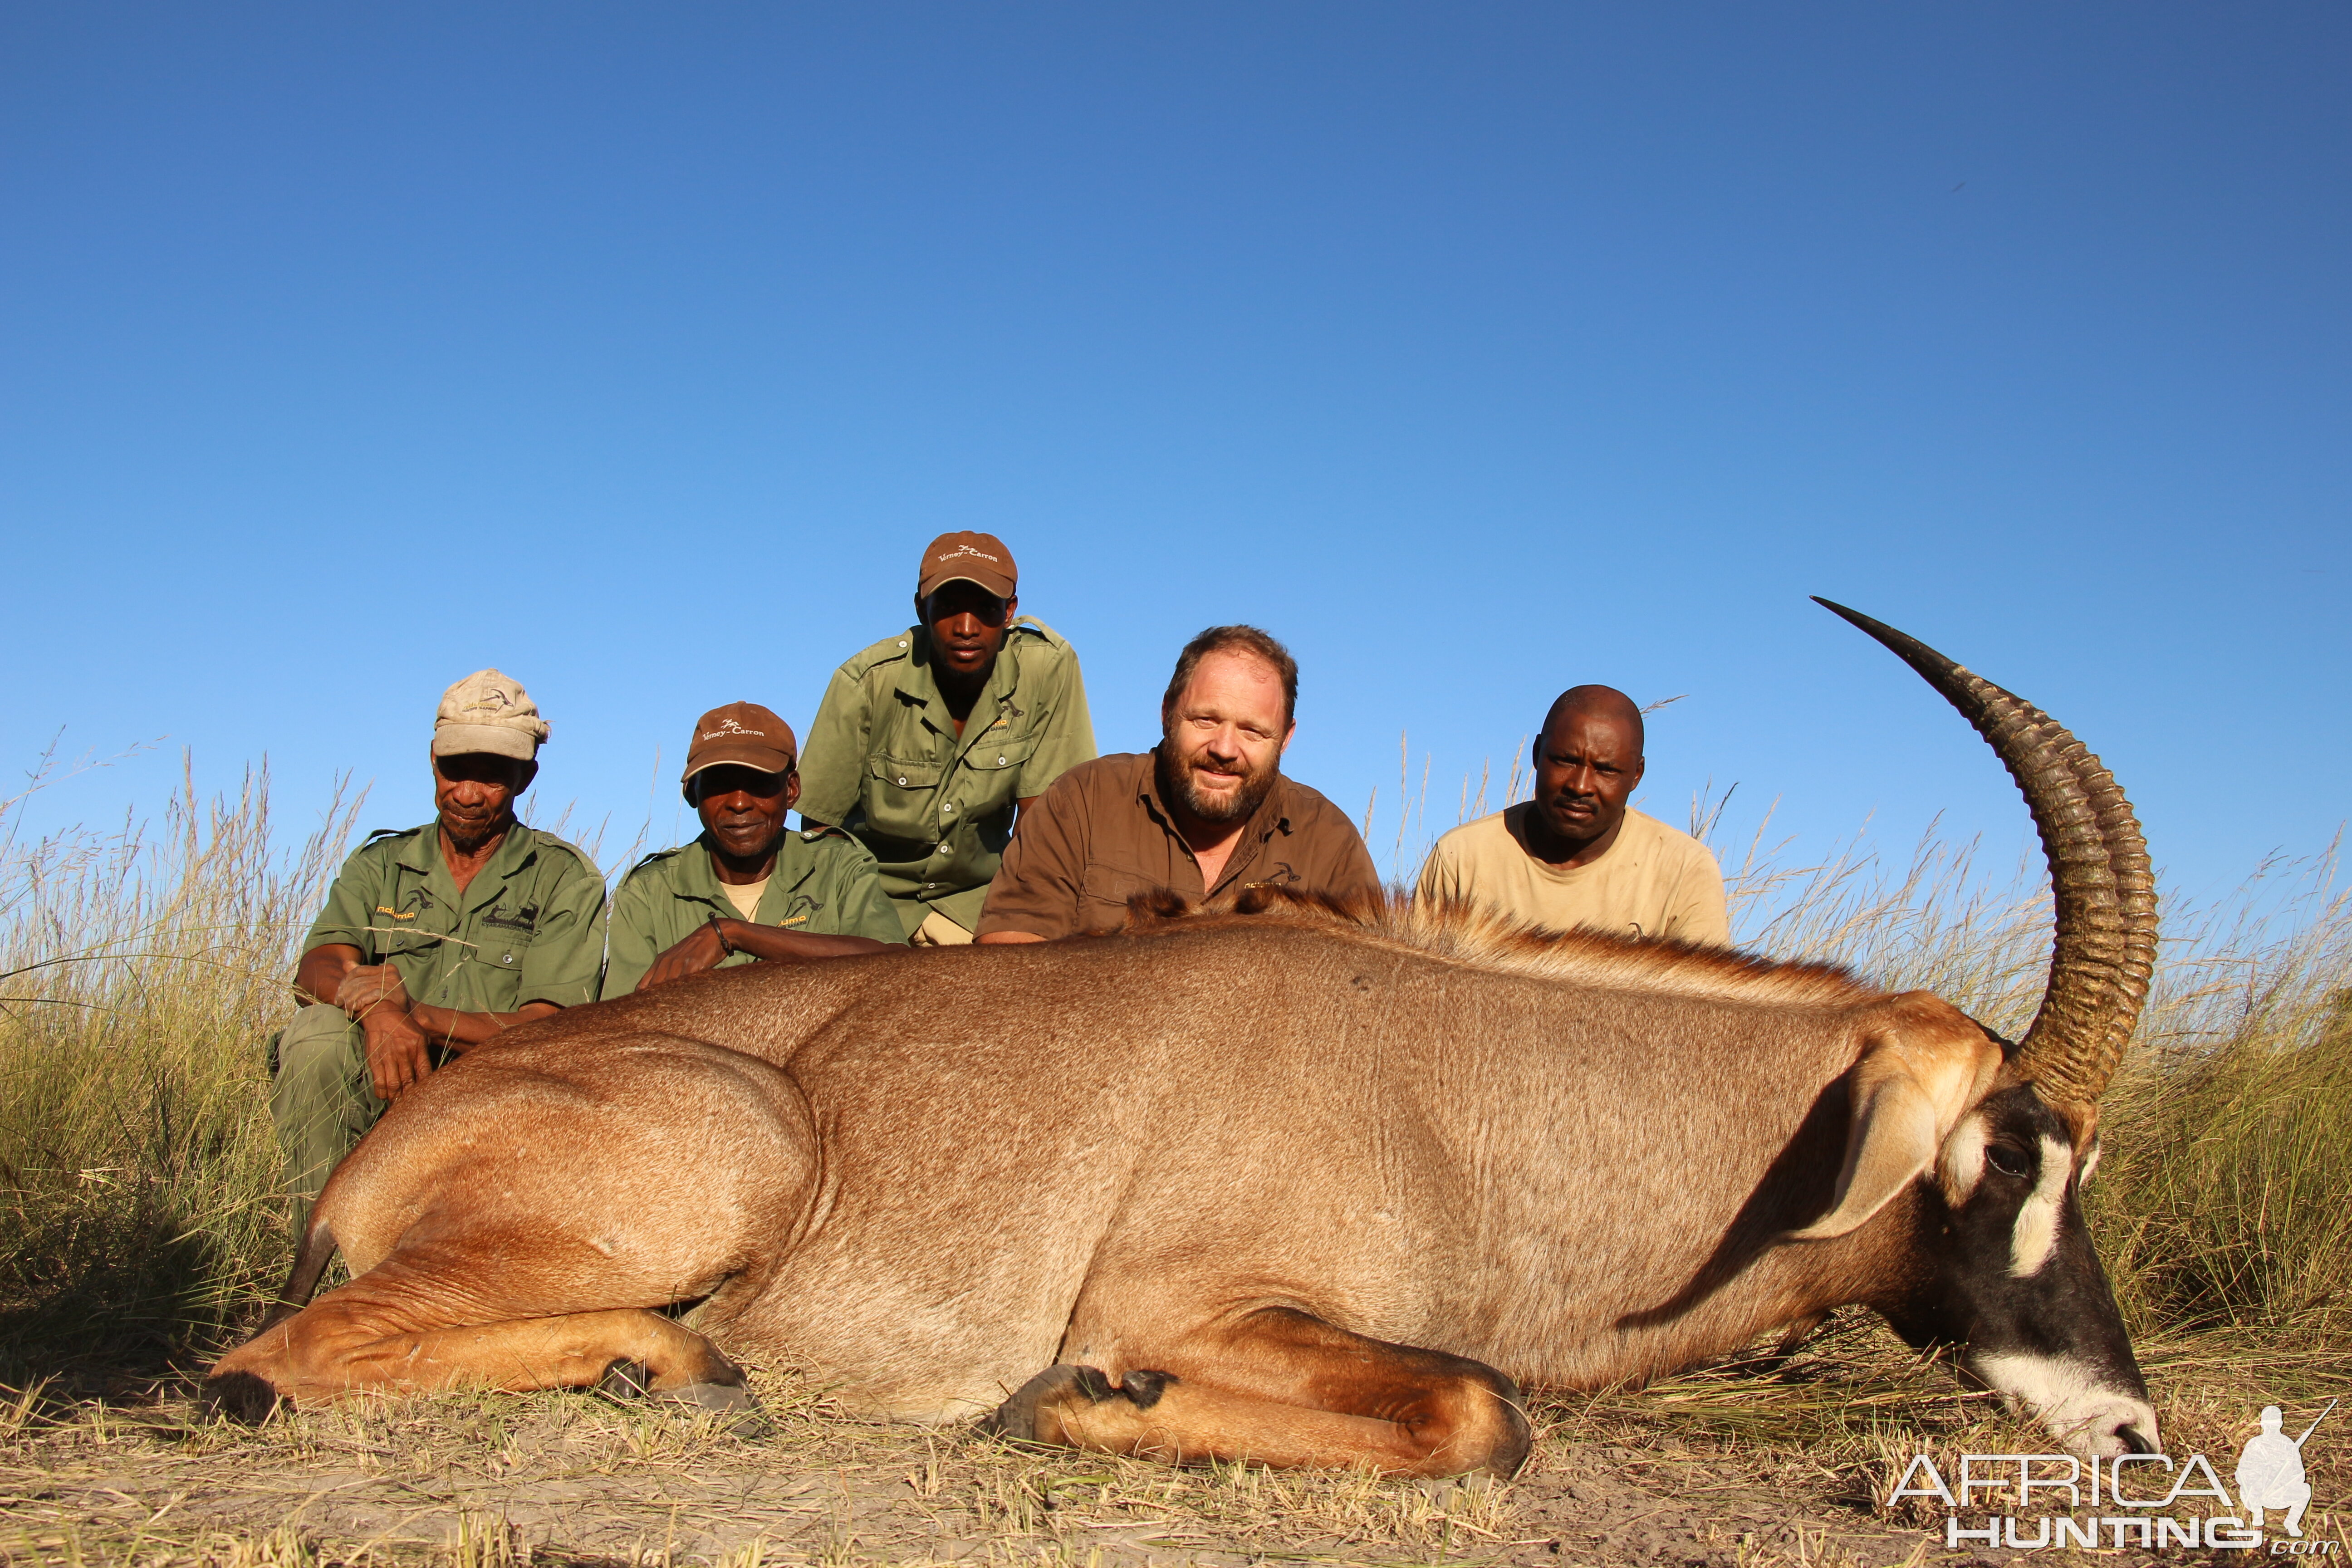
x,y
1206,810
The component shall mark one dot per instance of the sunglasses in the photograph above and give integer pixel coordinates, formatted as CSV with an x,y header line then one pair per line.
x,y
961,600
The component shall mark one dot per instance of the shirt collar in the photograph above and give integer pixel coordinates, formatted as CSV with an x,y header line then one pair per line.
x,y
919,684
699,876
517,850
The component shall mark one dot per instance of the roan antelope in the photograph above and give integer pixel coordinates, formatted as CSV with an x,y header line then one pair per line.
x,y
1261,1182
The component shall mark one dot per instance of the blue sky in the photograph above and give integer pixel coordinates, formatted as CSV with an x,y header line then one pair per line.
x,y
1478,351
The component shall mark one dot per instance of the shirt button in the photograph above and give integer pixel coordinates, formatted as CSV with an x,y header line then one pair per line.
x,y
508,959
999,761
902,780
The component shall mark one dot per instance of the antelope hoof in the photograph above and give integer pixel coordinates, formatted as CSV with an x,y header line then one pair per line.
x,y
626,1380
242,1397
1034,1413
738,1406
1056,1386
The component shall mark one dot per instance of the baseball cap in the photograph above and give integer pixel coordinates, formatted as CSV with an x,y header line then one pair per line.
x,y
487,712
979,558
743,733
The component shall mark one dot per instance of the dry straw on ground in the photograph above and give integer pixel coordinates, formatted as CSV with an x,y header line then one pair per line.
x,y
138,1230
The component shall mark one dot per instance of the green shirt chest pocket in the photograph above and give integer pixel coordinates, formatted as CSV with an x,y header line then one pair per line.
x,y
989,775
899,795
503,935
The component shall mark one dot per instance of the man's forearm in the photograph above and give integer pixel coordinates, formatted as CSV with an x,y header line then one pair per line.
x,y
1005,938
771,945
320,976
462,1031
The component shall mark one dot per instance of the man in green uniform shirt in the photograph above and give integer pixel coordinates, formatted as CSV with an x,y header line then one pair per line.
x,y
435,940
748,889
928,741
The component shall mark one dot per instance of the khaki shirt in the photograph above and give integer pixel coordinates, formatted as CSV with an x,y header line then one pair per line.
x,y
1102,833
823,883
884,761
1653,881
530,927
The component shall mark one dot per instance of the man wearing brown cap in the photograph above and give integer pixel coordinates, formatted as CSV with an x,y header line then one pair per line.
x,y
437,939
1205,811
928,741
748,890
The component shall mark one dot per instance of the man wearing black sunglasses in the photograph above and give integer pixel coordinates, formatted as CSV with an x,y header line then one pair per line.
x,y
748,890
928,742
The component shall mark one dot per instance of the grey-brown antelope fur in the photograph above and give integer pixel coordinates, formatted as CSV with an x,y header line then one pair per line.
x,y
1268,1182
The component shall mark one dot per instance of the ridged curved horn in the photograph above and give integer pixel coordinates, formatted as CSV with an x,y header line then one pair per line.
x,y
2099,877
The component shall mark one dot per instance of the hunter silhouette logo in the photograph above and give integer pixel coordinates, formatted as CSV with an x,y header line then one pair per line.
x,y
2123,1500
2270,1472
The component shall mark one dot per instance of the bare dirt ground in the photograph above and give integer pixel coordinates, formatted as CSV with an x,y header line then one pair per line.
x,y
1752,1464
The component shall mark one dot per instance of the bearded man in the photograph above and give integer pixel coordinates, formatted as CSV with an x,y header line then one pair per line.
x,y
1205,810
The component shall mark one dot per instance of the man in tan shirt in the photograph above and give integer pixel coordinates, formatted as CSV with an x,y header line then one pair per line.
x,y
1206,810
1577,855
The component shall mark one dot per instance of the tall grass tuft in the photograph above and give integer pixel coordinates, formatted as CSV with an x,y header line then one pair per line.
x,y
141,972
2224,1200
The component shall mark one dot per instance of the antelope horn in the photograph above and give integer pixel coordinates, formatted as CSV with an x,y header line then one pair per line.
x,y
2099,878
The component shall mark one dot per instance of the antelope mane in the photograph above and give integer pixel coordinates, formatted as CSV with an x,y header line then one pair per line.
x,y
1478,939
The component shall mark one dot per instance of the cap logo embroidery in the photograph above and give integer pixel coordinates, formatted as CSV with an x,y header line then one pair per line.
x,y
944,556
729,727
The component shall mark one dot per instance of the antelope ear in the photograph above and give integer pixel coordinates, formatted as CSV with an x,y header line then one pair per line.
x,y
1908,1093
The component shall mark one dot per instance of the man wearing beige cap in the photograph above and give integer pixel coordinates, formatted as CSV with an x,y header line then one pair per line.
x,y
437,939
748,890
929,742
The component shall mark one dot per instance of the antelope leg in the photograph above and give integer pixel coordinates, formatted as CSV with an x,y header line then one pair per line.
x,y
360,1339
1279,1387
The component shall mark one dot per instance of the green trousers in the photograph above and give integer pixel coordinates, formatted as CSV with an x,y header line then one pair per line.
x,y
322,1099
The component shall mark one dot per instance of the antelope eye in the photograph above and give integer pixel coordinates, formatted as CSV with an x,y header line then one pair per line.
x,y
2007,1159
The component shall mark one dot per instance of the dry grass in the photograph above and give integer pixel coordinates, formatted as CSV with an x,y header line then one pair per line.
x,y
139,974
139,1225
1748,1463
434,1480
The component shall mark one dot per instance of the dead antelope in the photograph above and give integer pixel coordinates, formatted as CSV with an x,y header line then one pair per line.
x,y
1275,1185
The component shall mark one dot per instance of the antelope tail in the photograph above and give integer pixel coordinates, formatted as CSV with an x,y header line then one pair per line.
x,y
310,1261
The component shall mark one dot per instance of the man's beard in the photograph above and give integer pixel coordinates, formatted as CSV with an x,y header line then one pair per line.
x,y
1237,807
